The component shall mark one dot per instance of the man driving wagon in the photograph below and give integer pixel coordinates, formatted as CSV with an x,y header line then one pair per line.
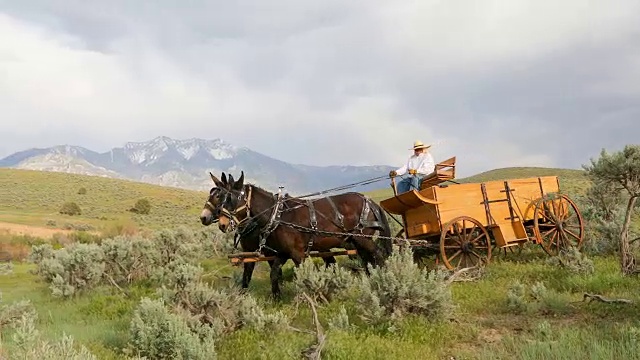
x,y
418,166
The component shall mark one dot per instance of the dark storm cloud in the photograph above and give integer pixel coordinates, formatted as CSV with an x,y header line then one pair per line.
x,y
505,84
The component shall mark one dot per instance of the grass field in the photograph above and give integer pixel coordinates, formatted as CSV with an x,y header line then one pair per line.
x,y
486,323
560,326
34,198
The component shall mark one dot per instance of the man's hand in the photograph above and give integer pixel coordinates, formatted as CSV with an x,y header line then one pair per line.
x,y
413,171
392,173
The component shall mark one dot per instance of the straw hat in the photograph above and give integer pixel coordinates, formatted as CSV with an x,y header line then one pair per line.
x,y
419,145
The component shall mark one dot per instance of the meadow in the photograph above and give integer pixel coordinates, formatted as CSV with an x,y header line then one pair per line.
x,y
35,198
521,306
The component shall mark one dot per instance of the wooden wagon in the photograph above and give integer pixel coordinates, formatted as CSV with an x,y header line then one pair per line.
x,y
461,223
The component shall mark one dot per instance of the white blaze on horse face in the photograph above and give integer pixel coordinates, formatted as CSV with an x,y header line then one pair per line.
x,y
206,214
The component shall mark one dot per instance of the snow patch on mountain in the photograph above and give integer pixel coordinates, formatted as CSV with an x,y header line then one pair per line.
x,y
59,162
187,163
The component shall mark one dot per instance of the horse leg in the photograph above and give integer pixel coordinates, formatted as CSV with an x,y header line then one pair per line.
x,y
329,260
276,276
271,266
247,273
368,251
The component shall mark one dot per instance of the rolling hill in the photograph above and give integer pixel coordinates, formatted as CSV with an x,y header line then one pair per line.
x,y
35,197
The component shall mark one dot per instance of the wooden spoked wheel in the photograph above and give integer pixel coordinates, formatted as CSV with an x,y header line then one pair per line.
x,y
557,224
464,242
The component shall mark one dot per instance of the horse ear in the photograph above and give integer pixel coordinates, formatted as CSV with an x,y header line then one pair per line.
x,y
215,180
239,183
224,179
231,181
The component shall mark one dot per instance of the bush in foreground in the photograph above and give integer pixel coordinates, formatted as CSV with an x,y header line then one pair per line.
x,y
401,287
27,342
72,269
322,283
157,333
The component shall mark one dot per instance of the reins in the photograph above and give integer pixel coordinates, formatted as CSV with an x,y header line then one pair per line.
x,y
345,187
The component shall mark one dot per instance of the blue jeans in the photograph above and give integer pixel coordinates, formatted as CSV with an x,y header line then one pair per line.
x,y
410,182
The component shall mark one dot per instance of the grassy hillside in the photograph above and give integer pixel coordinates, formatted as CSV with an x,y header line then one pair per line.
x,y
572,182
34,198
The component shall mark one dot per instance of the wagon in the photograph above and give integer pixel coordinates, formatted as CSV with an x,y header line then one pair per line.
x,y
463,223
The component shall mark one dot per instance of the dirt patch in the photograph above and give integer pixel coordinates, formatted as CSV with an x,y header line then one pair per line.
x,y
36,231
490,336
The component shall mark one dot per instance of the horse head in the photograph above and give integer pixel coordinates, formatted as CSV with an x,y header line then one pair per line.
x,y
233,204
210,211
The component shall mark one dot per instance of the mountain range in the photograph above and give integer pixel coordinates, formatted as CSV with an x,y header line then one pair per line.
x,y
187,163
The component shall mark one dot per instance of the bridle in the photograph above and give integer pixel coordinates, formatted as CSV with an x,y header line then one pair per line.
x,y
234,220
209,206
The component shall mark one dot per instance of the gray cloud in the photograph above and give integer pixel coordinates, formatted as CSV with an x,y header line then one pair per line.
x,y
332,82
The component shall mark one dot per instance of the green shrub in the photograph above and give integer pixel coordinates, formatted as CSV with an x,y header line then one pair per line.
x,y
73,269
400,287
536,299
129,258
573,260
156,333
322,283
11,314
29,344
70,208
142,206
6,268
223,309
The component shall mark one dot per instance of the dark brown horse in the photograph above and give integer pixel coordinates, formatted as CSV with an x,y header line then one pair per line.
x,y
289,227
248,238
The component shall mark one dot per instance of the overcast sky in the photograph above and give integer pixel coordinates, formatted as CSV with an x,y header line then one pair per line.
x,y
496,83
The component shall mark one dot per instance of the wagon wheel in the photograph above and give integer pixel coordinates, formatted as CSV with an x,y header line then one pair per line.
x,y
464,247
558,224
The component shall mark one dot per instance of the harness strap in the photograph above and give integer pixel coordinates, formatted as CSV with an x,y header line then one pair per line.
x,y
339,216
363,223
313,221
273,223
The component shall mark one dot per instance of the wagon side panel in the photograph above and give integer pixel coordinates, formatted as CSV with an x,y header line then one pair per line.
x,y
461,200
507,224
498,202
527,191
524,194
